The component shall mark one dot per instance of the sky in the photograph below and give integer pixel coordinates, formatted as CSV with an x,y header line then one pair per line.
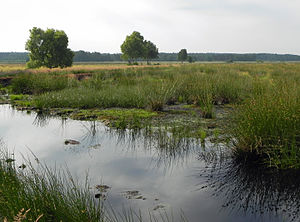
x,y
239,26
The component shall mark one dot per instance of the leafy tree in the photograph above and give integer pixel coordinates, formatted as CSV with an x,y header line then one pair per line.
x,y
133,47
48,48
190,59
151,52
182,55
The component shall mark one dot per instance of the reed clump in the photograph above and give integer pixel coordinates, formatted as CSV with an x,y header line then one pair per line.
x,y
268,126
40,83
46,194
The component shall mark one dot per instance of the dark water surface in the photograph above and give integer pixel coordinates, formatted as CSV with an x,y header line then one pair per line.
x,y
145,174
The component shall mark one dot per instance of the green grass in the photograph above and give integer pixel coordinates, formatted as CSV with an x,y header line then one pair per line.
x,y
268,125
40,83
264,95
15,97
117,118
47,193
86,98
150,88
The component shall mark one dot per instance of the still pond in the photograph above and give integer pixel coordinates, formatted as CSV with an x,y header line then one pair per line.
x,y
131,170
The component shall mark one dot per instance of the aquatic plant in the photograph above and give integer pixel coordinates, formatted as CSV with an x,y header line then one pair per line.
x,y
50,194
268,125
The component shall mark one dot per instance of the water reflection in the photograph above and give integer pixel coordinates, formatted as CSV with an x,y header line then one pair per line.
x,y
254,190
166,151
158,165
91,133
41,119
169,151
90,137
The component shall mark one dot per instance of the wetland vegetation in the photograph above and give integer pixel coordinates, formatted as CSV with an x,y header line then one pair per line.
x,y
252,109
264,97
43,194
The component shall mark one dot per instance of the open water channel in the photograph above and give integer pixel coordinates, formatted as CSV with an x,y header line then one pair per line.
x,y
136,172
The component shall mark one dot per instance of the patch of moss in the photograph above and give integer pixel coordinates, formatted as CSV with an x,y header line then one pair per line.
x,y
127,113
85,115
179,112
14,97
189,106
63,112
23,103
118,118
4,90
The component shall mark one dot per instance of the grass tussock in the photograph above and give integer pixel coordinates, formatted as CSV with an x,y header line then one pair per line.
x,y
37,84
46,194
268,126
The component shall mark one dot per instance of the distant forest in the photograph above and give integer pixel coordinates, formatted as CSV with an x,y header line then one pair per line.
x,y
82,56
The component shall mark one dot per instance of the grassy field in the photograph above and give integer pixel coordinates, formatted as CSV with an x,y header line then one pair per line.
x,y
265,98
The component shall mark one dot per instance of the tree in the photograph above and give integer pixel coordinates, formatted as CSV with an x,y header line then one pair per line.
x,y
182,55
190,59
133,47
48,48
151,52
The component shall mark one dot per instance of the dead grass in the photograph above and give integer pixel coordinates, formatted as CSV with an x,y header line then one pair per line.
x,y
9,69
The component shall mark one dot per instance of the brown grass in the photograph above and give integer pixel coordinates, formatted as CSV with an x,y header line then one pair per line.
x,y
8,69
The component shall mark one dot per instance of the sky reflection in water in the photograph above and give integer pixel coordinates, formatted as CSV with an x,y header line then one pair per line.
x,y
182,180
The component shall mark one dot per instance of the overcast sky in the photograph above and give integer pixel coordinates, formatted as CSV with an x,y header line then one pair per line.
x,y
197,25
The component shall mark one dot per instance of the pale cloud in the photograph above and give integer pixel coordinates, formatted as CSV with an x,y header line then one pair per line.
x,y
198,25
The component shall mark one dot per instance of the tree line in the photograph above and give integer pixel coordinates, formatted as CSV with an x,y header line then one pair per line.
x,y
83,56
49,48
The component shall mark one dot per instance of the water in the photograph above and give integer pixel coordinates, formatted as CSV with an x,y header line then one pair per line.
x,y
144,174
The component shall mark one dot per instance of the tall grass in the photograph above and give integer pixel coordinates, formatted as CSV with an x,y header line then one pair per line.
x,y
268,125
91,98
48,194
151,88
40,83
